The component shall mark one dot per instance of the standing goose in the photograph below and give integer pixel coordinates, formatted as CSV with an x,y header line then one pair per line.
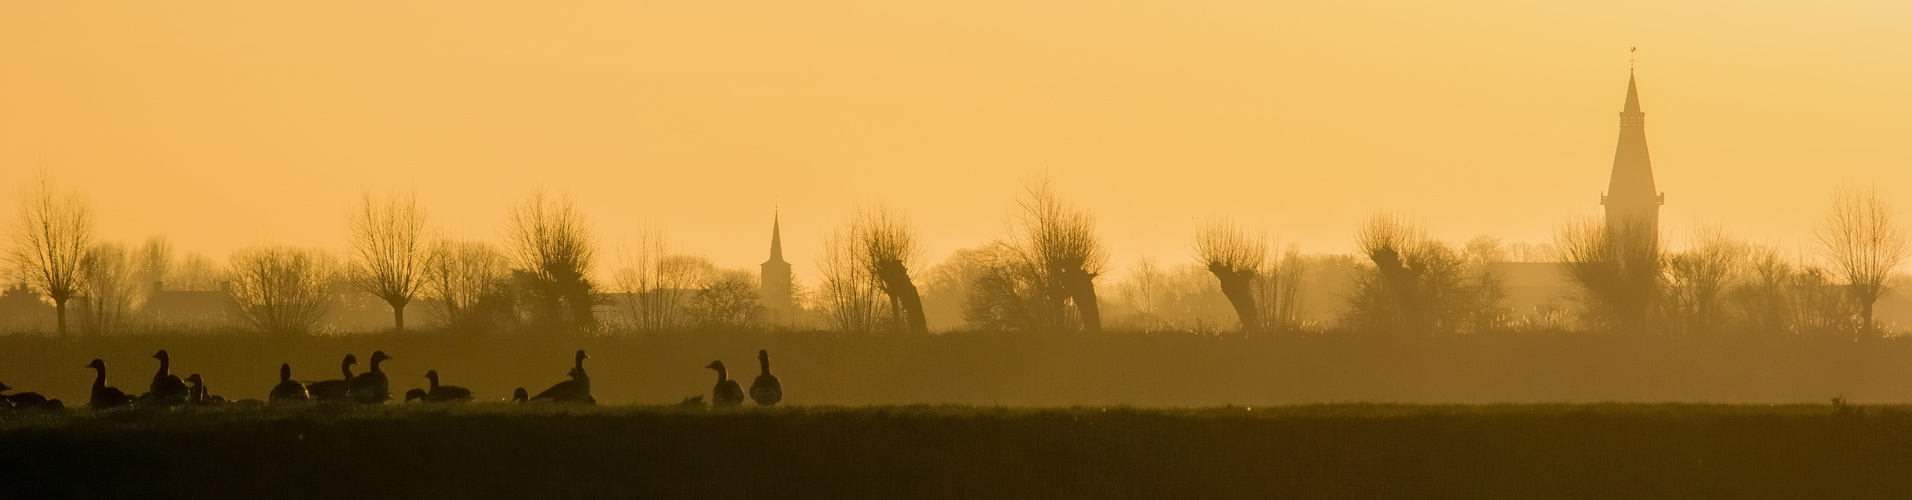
x,y
28,400
334,390
444,393
199,390
576,390
727,393
103,396
167,389
288,390
766,390
371,387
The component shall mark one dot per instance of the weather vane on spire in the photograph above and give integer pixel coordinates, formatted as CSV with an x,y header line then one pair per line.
x,y
1630,51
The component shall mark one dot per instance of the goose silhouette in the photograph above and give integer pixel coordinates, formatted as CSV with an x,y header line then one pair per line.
x,y
576,390
167,389
334,390
727,393
27,400
288,390
766,390
444,393
104,397
371,387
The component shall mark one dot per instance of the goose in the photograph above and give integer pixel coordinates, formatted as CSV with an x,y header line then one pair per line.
x,y
727,393
415,394
288,390
167,389
199,391
520,395
576,390
371,387
766,390
445,393
333,390
103,396
28,400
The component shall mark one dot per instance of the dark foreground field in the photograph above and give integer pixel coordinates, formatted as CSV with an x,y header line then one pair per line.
x,y
1333,451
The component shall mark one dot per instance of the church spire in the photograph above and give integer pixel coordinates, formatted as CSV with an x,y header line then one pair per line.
x,y
776,238
777,284
1632,200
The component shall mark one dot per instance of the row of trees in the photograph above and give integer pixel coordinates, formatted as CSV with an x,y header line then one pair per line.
x,y
1042,275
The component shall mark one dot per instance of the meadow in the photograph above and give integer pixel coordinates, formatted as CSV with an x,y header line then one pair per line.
x,y
496,450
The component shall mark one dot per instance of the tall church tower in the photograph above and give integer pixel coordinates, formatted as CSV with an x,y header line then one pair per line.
x,y
775,279
1632,201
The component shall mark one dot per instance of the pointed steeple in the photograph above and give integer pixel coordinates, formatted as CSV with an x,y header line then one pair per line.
x,y
776,238
1632,199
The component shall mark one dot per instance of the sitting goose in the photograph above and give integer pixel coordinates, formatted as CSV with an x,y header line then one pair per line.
x,y
727,393
414,394
576,390
371,387
333,390
103,396
28,401
766,390
166,389
288,390
445,393
198,392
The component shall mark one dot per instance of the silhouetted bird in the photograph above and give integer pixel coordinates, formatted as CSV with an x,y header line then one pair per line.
x,y
103,396
288,390
520,395
766,390
445,393
28,401
576,390
414,394
371,387
199,392
333,390
167,389
727,393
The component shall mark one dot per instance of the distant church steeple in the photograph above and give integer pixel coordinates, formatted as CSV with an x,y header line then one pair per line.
x,y
776,282
1632,201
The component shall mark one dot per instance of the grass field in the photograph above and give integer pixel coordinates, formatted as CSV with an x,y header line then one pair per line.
x,y
1321,451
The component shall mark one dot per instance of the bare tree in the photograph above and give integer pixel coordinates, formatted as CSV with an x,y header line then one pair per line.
x,y
155,264
110,291
461,277
197,272
1864,244
282,290
1060,241
50,240
655,287
848,296
1278,290
388,251
890,248
1418,285
729,303
552,244
1617,271
1236,260
1698,279
1764,298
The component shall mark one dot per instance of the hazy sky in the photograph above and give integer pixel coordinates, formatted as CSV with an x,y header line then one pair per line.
x,y
226,124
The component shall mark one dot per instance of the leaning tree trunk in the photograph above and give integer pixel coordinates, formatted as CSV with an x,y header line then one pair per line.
x,y
1236,285
896,282
1080,285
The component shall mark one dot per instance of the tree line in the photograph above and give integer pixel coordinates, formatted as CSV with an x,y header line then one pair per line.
x,y
1044,274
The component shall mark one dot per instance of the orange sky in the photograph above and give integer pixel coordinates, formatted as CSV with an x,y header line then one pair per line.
x,y
226,124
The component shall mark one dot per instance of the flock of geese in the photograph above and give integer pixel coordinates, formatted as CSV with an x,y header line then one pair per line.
x,y
371,388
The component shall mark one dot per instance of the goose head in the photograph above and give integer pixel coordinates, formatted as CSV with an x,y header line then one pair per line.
x,y
161,355
520,395
715,365
194,379
4,388
349,360
378,356
414,394
432,375
285,372
97,364
581,357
